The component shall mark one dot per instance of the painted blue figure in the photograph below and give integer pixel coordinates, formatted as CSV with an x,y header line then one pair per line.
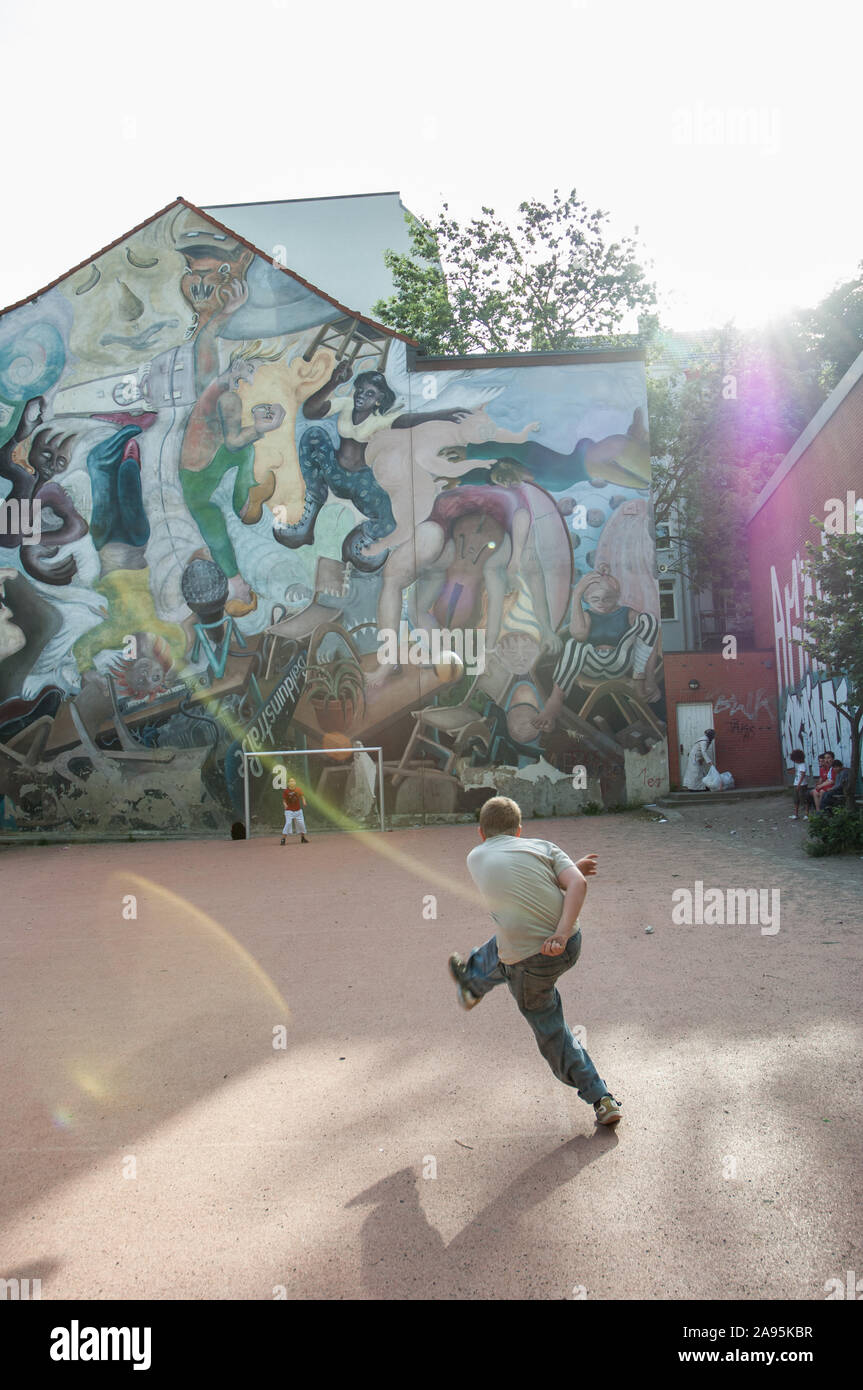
x,y
118,517
323,473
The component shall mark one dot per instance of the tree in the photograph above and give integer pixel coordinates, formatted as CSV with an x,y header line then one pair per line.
x,y
547,283
719,428
832,332
834,622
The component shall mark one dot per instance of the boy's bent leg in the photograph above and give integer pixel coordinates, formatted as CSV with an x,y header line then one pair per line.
x,y
483,970
539,1002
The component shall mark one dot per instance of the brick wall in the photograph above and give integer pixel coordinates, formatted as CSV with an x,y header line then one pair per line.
x,y
745,713
831,466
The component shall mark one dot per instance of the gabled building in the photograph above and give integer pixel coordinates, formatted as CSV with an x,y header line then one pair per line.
x,y
237,514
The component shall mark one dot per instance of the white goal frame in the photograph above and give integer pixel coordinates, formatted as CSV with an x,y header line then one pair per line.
x,y
299,752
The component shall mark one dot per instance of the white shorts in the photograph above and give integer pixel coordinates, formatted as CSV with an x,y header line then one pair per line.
x,y
293,818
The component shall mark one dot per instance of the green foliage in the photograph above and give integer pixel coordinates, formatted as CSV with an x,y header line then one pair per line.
x,y
839,831
832,333
546,283
592,808
717,432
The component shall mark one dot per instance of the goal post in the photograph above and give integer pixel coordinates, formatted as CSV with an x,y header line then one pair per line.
x,y
267,760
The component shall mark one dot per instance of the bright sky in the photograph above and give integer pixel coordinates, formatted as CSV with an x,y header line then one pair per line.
x,y
729,134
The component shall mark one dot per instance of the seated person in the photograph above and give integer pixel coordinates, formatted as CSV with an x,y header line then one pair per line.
x,y
836,795
826,779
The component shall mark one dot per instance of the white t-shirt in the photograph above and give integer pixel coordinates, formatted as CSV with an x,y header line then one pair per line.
x,y
518,879
343,407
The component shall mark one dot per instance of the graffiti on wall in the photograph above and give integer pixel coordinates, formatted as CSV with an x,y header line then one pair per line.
x,y
749,705
808,717
228,512
810,721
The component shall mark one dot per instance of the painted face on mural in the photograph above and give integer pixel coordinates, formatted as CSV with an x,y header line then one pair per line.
x,y
50,453
367,396
243,370
127,308
603,595
476,537
208,282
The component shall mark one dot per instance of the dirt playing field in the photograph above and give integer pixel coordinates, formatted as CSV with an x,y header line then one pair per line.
x,y
236,1068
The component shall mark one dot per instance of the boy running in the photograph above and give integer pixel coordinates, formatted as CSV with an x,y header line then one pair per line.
x,y
534,893
294,801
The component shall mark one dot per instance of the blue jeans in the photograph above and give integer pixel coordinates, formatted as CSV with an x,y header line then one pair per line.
x,y
532,984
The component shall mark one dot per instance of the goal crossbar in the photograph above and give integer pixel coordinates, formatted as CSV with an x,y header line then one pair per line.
x,y
301,752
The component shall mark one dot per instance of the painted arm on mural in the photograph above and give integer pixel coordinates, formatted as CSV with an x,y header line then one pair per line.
x,y
623,459
237,436
318,406
232,295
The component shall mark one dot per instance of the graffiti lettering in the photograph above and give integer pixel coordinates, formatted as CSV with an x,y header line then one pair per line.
x,y
749,705
811,722
282,701
788,626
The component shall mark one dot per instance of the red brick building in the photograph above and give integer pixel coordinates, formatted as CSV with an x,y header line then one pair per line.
x,y
735,697
823,471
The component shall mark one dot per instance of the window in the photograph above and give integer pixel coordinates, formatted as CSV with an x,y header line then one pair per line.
x,y
668,600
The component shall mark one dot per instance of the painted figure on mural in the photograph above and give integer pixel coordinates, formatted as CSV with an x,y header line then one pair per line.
x,y
477,540
408,463
213,284
120,531
623,459
608,641
215,442
31,460
360,414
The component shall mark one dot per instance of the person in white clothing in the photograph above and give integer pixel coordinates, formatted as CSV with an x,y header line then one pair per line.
x,y
702,756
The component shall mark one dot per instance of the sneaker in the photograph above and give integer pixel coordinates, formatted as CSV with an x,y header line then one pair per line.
x,y
303,840
466,997
282,841
607,1110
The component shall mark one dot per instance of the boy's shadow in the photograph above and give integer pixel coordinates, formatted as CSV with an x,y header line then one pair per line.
x,y
404,1256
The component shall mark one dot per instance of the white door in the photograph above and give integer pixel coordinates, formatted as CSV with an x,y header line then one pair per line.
x,y
692,720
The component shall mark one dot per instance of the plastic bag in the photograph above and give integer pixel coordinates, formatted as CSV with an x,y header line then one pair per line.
x,y
727,781
712,780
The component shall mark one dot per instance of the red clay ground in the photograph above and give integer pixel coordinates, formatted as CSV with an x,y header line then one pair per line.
x,y
156,1145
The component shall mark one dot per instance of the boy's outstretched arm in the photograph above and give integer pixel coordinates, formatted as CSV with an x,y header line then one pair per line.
x,y
587,864
574,886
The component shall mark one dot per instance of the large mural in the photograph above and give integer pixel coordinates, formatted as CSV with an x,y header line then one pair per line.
x,y
233,519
